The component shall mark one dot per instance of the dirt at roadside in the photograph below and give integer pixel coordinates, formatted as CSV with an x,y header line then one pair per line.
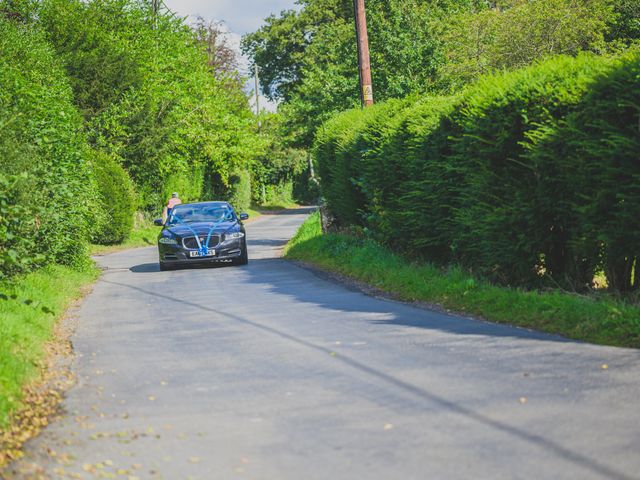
x,y
42,400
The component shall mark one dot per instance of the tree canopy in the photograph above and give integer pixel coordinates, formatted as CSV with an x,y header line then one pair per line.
x,y
308,58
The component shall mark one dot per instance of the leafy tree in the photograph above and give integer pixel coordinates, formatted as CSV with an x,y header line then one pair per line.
x,y
625,26
153,96
280,168
280,46
308,59
514,33
117,196
46,188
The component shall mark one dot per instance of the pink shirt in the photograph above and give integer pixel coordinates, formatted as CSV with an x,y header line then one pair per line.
x,y
173,202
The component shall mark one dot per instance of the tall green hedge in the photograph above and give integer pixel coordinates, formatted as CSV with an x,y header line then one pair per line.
x,y
117,199
529,178
149,97
603,134
46,188
509,226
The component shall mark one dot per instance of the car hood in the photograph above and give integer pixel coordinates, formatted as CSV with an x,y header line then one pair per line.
x,y
202,228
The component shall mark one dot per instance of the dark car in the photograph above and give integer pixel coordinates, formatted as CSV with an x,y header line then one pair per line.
x,y
202,233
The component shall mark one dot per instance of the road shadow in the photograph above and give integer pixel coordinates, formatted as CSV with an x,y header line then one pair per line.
x,y
284,278
155,267
312,282
266,243
145,268
304,210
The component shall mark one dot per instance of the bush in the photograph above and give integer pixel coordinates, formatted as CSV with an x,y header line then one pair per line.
x,y
335,143
510,223
240,191
118,200
604,139
46,187
529,178
150,98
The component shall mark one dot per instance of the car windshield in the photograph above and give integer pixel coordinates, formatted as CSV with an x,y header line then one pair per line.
x,y
201,213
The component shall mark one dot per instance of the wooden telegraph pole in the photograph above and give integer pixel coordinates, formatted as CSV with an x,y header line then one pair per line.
x,y
366,85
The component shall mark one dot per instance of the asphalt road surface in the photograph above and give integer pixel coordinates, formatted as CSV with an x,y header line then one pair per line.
x,y
270,371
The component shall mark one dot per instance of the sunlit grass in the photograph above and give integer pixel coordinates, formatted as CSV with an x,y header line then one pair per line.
x,y
596,319
29,308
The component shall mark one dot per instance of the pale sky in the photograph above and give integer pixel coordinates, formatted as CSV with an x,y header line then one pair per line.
x,y
240,17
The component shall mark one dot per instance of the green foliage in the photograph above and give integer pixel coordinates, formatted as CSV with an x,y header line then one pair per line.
x,y
509,227
308,58
46,189
518,32
118,200
603,135
529,178
598,319
279,167
150,97
240,190
625,25
29,308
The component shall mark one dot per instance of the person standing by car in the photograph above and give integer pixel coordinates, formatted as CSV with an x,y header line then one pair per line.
x,y
173,201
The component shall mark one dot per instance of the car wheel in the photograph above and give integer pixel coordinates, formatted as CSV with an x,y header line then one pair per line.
x,y
243,259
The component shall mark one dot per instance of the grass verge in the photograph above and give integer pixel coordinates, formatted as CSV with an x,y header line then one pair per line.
x,y
144,234
594,319
29,309
273,206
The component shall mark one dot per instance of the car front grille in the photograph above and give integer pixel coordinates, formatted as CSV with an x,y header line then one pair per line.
x,y
192,244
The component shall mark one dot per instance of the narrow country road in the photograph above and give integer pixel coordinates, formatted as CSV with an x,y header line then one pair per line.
x,y
272,372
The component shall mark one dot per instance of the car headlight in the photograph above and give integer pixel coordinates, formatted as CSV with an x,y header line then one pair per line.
x,y
233,236
168,241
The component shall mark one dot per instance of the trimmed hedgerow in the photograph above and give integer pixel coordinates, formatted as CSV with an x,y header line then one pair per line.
x,y
118,200
506,227
240,190
46,188
529,178
603,160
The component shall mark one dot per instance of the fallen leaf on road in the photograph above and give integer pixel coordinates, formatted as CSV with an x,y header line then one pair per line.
x,y
388,426
523,400
605,366
194,459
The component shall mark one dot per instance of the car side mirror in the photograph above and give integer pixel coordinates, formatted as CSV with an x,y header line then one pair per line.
x,y
158,222
244,216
